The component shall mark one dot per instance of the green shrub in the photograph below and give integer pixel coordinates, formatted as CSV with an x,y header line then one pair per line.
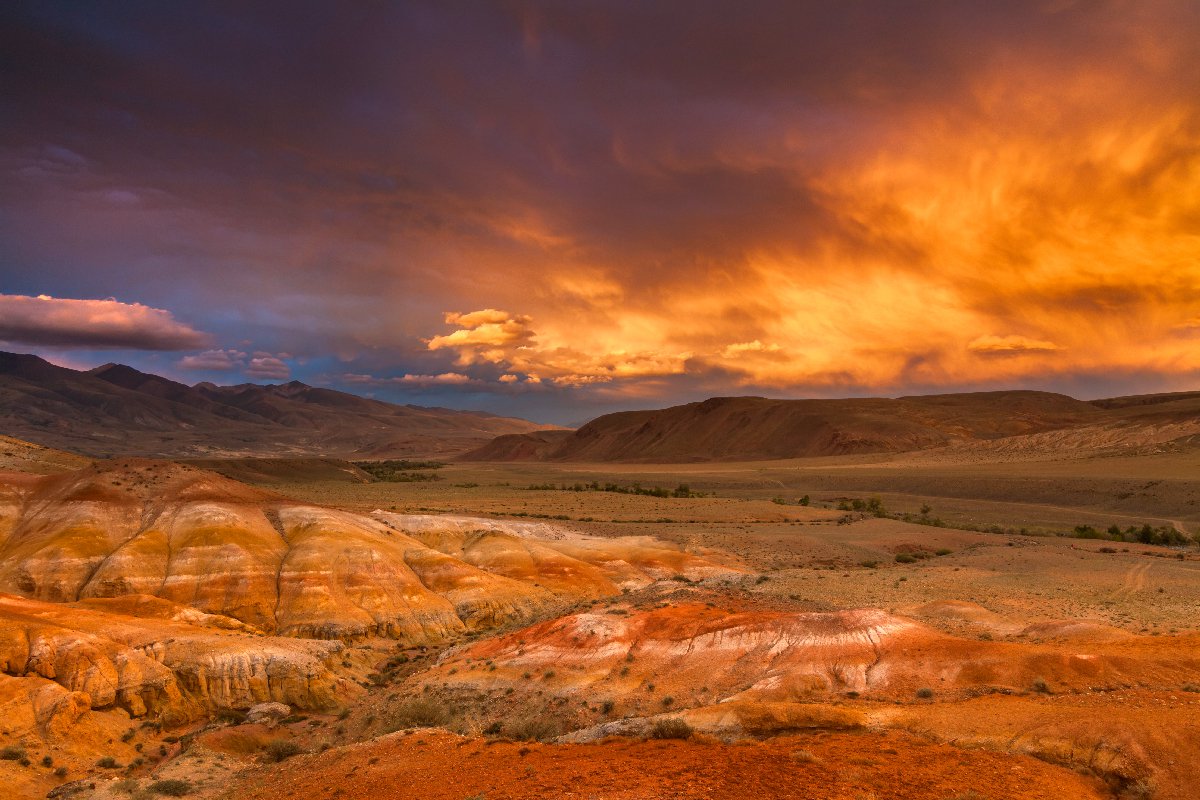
x,y
674,728
905,558
924,693
108,762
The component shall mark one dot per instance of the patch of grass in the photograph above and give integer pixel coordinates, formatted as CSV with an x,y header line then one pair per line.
x,y
905,558
108,762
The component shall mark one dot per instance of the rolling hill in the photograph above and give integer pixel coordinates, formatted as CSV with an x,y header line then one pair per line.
x,y
756,428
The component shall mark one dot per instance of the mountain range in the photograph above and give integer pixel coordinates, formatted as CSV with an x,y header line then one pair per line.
x,y
115,410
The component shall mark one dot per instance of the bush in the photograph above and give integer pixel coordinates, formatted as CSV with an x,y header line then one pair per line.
x,y
419,713
108,762
171,787
943,551
674,728
1040,686
281,749
534,729
12,753
924,693
905,558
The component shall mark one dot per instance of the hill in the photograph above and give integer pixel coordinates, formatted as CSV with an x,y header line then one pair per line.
x,y
21,456
756,428
115,410
125,527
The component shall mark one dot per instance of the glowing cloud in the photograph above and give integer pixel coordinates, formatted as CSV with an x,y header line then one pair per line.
x,y
1010,345
59,322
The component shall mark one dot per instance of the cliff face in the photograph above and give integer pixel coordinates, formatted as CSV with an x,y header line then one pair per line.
x,y
208,543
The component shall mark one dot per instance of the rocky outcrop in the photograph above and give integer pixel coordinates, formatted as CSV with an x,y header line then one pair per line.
x,y
160,667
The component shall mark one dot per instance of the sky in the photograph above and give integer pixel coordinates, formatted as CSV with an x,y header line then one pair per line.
x,y
558,209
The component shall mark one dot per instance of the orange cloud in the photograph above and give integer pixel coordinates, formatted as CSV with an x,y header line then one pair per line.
x,y
1010,345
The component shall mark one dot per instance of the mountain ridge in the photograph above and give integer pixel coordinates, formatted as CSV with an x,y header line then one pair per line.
x,y
757,428
116,410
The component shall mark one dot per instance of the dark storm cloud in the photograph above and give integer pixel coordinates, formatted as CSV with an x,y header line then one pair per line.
x,y
652,187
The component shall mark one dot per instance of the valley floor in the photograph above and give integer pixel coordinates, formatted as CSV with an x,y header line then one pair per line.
x,y
948,642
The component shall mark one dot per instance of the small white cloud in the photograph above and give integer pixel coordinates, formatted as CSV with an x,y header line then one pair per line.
x,y
445,378
267,367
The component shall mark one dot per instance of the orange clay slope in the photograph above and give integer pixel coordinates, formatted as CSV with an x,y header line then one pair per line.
x,y
197,539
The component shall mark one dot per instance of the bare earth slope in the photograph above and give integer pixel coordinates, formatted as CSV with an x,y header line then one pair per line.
x,y
755,428
117,410
21,456
195,538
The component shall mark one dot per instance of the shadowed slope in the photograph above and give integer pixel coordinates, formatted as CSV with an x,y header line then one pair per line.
x,y
117,410
755,428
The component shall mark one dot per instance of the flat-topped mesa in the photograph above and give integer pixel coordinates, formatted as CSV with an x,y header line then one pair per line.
x,y
137,527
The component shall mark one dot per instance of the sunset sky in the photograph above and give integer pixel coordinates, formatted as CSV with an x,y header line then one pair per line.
x,y
558,209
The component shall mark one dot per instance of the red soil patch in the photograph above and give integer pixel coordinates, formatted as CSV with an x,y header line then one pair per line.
x,y
436,766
